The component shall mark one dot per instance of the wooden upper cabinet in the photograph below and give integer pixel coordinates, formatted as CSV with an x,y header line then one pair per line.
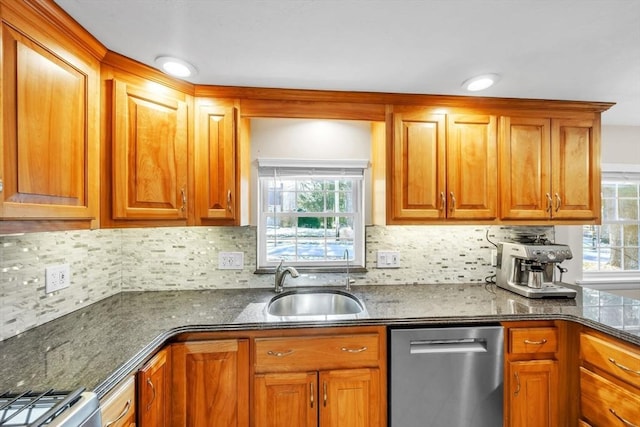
x,y
210,383
550,169
49,148
418,176
526,167
472,167
149,150
575,158
442,166
215,163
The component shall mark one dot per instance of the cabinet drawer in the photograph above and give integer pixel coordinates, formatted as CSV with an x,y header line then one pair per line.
x,y
118,407
533,340
619,361
317,352
604,403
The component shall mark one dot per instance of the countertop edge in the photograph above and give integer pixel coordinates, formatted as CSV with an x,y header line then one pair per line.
x,y
134,363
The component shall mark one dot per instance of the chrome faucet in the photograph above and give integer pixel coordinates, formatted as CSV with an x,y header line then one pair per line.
x,y
348,280
281,273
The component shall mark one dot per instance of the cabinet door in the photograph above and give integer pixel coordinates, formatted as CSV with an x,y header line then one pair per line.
x,y
285,400
215,164
153,382
575,157
149,155
210,382
525,151
472,167
350,398
49,144
532,392
418,167
118,408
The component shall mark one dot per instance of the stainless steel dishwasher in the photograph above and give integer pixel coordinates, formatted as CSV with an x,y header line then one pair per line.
x,y
446,377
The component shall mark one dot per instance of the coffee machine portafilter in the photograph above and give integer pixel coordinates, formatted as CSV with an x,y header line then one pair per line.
x,y
529,269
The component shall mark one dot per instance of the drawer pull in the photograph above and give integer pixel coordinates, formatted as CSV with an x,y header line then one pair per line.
x,y
626,422
122,414
153,395
541,342
280,353
354,350
517,390
624,368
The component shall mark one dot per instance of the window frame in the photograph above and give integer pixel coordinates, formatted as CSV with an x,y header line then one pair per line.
x,y
615,173
300,169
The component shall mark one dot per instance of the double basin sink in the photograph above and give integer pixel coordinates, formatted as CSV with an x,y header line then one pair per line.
x,y
315,304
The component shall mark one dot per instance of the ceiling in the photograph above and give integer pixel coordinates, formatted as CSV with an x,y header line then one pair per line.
x,y
546,49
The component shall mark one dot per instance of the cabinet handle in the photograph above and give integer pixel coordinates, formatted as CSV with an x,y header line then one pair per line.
x,y
515,393
280,353
324,393
443,201
626,422
229,200
311,387
453,201
549,203
153,396
184,199
1,185
354,350
541,342
122,414
558,202
624,368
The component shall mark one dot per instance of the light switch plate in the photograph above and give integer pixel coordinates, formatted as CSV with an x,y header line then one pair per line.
x,y
57,277
388,259
230,260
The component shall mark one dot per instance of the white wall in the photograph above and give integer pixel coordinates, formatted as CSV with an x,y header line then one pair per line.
x,y
309,139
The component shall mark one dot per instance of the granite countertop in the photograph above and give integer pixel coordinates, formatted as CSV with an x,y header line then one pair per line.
x,y
97,346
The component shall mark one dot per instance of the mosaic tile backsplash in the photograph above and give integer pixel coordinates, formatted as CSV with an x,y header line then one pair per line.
x,y
105,262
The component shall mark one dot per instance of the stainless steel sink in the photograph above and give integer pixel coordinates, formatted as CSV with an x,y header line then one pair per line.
x,y
315,304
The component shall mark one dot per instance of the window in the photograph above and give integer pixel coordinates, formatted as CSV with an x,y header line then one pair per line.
x,y
310,213
613,247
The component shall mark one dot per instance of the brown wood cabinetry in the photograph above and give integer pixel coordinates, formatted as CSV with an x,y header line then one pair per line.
x,y
327,380
609,381
210,382
149,153
153,390
216,162
119,406
550,168
49,146
533,397
442,166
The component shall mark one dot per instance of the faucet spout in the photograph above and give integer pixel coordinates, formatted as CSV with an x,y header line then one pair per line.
x,y
348,280
281,274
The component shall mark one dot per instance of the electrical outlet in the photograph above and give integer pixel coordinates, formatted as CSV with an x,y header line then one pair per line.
x,y
57,277
388,259
230,260
494,257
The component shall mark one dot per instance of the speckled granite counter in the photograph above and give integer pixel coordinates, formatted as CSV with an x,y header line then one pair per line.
x,y
97,346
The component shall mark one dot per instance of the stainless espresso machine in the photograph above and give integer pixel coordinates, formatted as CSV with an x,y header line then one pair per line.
x,y
529,269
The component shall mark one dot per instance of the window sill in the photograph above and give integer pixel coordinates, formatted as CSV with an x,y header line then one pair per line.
x,y
304,270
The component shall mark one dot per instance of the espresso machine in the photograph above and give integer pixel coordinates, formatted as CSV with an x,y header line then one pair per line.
x,y
529,269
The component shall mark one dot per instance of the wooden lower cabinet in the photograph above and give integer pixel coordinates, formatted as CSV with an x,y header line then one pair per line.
x,y
153,391
118,408
349,397
609,381
210,384
533,399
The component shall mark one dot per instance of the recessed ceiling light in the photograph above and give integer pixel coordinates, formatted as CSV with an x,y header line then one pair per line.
x,y
175,67
482,82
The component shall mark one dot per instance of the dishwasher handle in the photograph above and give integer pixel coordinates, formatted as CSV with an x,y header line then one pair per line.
x,y
457,345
